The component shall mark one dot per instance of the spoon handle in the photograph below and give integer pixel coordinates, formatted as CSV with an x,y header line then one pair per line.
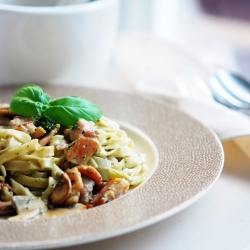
x,y
222,95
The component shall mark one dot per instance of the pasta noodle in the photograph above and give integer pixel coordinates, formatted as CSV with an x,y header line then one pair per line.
x,y
116,144
34,170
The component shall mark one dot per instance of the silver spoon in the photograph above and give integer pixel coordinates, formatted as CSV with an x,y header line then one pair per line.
x,y
231,90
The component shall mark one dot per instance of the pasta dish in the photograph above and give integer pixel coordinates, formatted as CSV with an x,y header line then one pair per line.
x,y
45,165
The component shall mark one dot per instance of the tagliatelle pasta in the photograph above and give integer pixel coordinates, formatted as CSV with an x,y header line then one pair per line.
x,y
25,157
62,154
116,144
32,170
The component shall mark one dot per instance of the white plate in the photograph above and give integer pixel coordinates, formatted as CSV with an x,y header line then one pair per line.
x,y
190,160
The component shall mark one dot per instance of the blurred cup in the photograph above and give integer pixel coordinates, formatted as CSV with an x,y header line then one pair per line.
x,y
42,42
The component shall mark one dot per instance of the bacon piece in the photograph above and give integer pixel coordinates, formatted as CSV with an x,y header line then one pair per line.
x,y
75,177
39,132
113,189
76,187
80,150
26,124
83,128
86,192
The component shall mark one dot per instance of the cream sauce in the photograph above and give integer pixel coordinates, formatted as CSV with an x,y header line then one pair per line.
x,y
50,213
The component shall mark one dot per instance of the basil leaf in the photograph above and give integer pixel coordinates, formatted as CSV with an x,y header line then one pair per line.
x,y
29,100
68,110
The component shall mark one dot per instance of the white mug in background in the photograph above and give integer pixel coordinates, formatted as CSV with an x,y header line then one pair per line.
x,y
53,44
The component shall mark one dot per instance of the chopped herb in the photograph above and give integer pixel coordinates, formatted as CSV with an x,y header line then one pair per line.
x,y
44,123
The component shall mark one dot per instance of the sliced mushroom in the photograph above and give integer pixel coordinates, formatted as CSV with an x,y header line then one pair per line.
x,y
4,122
5,110
61,190
91,173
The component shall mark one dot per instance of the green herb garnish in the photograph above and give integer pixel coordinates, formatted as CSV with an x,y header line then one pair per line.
x,y
30,100
44,123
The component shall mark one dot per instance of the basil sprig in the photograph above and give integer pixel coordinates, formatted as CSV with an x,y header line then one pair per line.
x,y
30,100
